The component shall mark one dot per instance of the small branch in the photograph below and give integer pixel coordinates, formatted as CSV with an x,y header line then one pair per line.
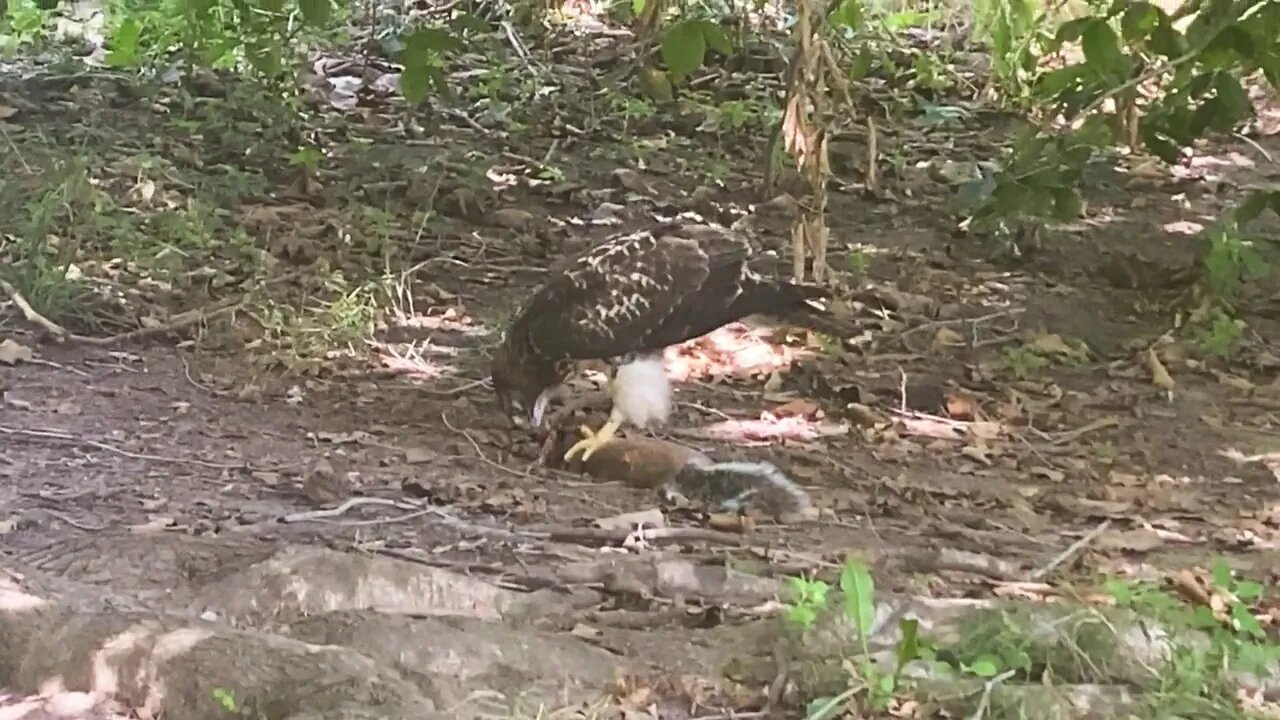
x,y
177,322
986,694
30,313
69,439
1070,552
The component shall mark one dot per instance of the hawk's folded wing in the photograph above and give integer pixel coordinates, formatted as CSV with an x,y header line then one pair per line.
x,y
630,293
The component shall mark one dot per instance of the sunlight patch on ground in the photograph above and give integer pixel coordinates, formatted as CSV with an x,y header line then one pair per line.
x,y
412,359
768,429
78,705
735,350
422,358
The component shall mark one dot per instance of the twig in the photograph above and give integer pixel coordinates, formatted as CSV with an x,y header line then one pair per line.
x,y
17,153
178,322
985,702
444,417
343,508
69,439
30,313
1070,552
455,391
1254,144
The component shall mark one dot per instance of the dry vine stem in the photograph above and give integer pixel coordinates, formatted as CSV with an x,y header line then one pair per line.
x,y
806,128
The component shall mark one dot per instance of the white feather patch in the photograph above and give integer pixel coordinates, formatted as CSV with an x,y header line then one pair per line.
x,y
642,392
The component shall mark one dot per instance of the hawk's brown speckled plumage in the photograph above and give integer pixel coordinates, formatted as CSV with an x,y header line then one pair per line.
x,y
631,296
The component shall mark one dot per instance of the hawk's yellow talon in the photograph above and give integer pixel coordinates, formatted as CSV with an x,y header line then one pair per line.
x,y
592,441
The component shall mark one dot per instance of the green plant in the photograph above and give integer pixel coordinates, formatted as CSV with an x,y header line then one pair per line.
x,y
230,34
1199,678
1126,47
22,25
809,600
1015,29
1022,362
38,267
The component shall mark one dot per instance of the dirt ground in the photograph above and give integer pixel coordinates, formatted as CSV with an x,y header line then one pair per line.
x,y
198,437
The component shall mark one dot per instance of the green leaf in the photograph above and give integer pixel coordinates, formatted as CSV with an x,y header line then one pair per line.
x,y
861,64
1070,31
316,12
824,708
1166,41
417,81
265,59
684,46
1252,207
716,38
124,44
1102,51
431,40
1067,203
1228,48
848,15
1234,97
1139,19
466,22
637,7
1222,575
859,590
1052,84
1245,622
986,666
1120,590
909,645
1248,590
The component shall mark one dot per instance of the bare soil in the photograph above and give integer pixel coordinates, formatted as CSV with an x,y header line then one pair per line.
x,y
151,442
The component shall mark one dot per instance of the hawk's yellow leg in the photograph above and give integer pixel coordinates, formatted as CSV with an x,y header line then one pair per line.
x,y
593,441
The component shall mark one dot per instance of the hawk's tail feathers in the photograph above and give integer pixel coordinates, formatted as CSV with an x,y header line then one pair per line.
x,y
820,320
806,306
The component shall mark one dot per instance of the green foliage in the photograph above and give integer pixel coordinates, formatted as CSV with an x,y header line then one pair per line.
x,y
23,25
808,600
1198,66
1015,30
1200,675
424,55
36,265
1197,680
260,36
685,44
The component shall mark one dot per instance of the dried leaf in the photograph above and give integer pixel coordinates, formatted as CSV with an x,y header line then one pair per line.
x,y
1143,540
1053,344
154,525
946,337
12,353
512,218
797,408
648,518
1159,376
418,455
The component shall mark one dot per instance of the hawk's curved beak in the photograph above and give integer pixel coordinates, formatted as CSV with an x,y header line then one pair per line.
x,y
540,408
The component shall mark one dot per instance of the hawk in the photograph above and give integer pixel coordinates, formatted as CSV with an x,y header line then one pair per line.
x,y
626,300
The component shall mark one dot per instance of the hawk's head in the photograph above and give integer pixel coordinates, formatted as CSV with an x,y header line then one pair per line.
x,y
524,383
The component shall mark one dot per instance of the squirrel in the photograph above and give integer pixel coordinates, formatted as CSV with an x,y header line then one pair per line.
x,y
685,474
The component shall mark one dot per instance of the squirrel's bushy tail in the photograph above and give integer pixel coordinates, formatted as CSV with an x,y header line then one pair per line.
x,y
740,486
